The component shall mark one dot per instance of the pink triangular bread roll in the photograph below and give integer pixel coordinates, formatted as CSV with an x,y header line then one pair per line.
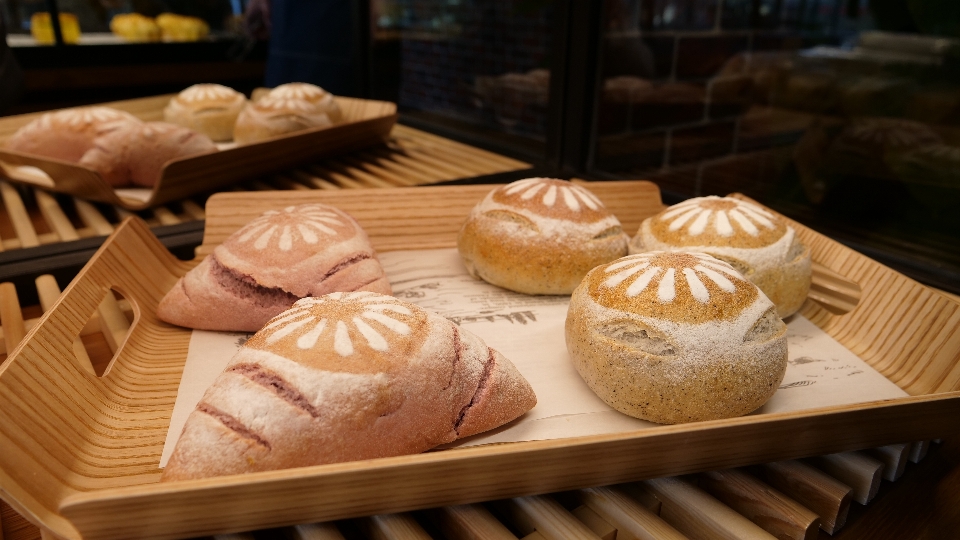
x,y
266,266
344,377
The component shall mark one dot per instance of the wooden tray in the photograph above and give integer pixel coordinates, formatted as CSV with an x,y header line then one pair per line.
x,y
80,452
366,123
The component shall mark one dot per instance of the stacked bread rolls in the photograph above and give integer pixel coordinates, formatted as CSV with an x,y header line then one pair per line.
x,y
286,109
539,236
759,244
266,266
344,377
675,337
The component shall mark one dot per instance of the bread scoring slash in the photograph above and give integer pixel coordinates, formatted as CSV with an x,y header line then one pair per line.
x,y
343,377
266,266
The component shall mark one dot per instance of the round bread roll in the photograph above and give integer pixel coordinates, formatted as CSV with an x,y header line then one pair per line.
x,y
66,134
270,263
539,236
210,109
674,337
343,377
755,241
136,153
286,109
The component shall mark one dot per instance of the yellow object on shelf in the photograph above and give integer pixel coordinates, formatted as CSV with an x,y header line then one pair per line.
x,y
182,28
135,27
42,29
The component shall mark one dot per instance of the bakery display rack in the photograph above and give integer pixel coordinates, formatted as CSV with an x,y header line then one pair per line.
x,y
86,444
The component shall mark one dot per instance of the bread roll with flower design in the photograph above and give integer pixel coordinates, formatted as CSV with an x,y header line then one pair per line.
x,y
273,261
210,109
757,242
286,109
66,134
674,337
343,377
539,236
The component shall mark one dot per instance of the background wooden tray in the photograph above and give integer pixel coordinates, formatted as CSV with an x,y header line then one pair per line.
x,y
366,123
81,451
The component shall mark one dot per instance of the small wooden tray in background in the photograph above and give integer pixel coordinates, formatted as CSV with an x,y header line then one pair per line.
x,y
366,123
84,449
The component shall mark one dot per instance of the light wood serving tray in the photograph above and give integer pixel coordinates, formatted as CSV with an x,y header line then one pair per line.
x,y
80,452
366,123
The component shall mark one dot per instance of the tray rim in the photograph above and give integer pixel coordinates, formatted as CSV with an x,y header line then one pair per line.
x,y
94,187
936,407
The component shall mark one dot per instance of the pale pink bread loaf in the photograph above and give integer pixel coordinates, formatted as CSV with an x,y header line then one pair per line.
x,y
675,337
344,377
286,109
66,134
273,261
539,236
211,109
134,154
758,243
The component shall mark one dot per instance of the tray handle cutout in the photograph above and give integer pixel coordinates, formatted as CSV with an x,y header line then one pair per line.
x,y
832,291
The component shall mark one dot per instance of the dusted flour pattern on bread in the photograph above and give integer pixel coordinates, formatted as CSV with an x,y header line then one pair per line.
x,y
572,196
297,97
652,265
351,329
283,229
83,116
207,92
694,216
682,286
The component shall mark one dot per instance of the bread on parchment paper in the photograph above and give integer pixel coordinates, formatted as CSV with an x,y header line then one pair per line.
x,y
210,109
273,261
285,109
344,377
758,243
539,236
674,337
66,134
135,153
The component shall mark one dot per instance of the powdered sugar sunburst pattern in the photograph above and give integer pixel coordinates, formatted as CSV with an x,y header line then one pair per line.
x,y
550,194
207,92
643,271
371,307
83,116
300,91
696,215
306,222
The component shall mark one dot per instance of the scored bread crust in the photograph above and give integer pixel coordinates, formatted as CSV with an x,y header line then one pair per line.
x,y
134,154
344,377
286,109
267,265
539,236
674,337
210,109
757,242
66,134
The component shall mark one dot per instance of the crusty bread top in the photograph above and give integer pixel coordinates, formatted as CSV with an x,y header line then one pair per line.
x,y
299,98
206,96
358,332
680,287
292,234
68,133
548,198
78,119
717,221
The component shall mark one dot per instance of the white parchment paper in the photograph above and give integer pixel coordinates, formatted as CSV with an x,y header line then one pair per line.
x,y
529,330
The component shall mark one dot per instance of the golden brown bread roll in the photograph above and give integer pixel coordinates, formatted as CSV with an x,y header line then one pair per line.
x,y
273,261
539,236
343,377
66,134
210,109
675,337
136,153
286,109
755,241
